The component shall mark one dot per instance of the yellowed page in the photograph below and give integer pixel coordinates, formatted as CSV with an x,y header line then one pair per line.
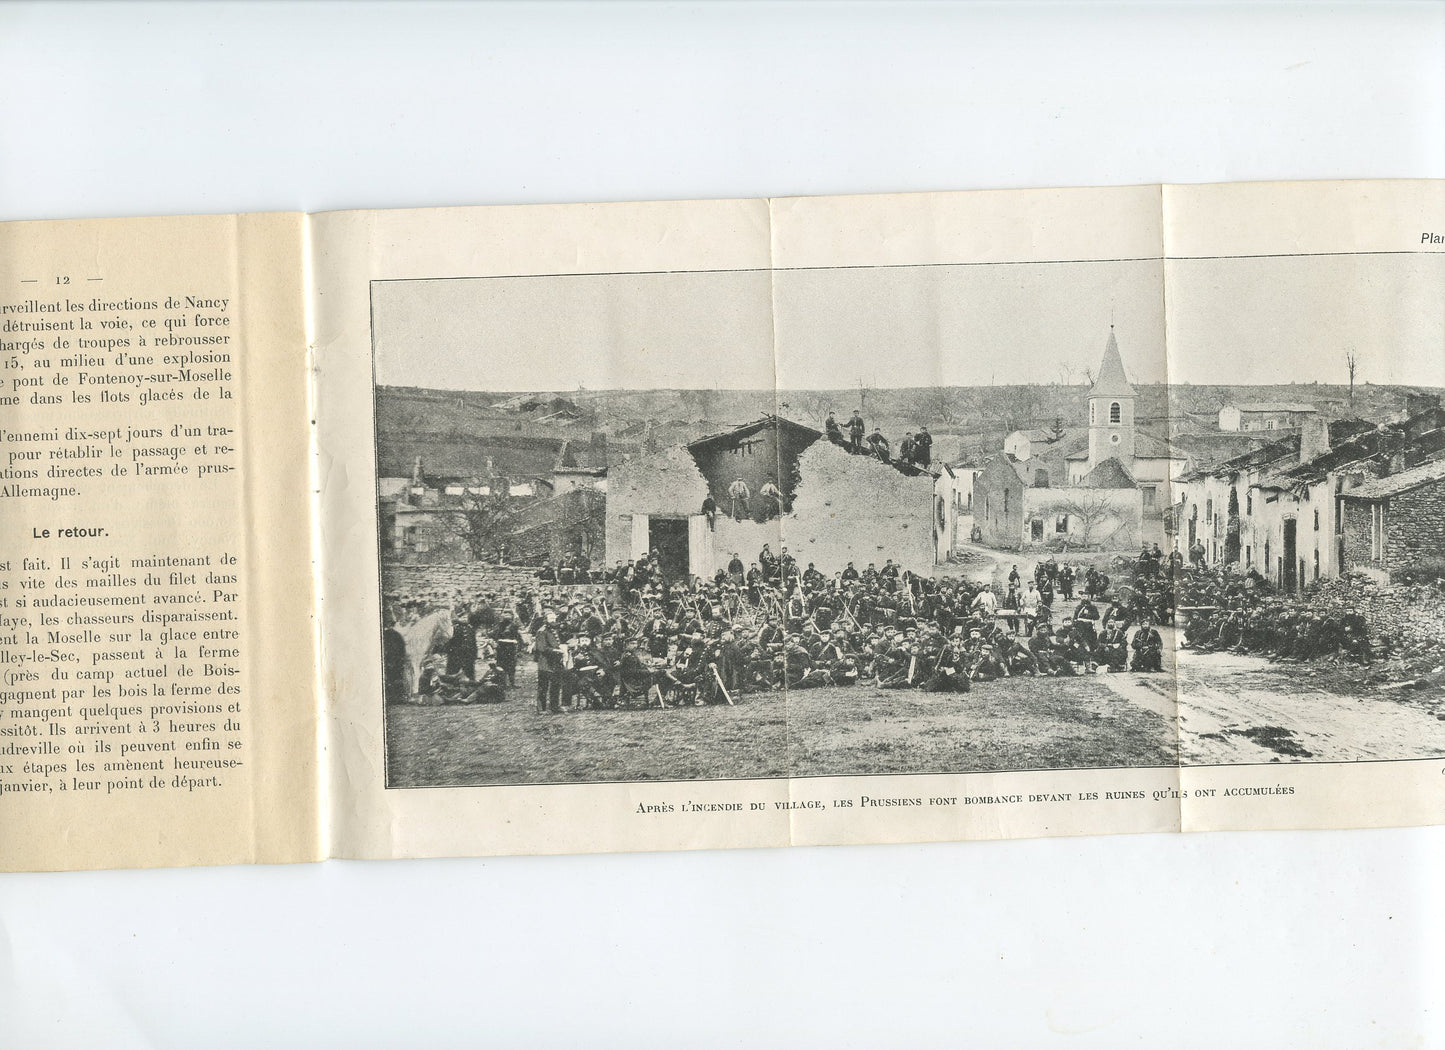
x,y
157,705
726,300
1290,283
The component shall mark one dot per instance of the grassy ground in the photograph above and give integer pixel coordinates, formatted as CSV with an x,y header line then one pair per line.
x,y
1020,723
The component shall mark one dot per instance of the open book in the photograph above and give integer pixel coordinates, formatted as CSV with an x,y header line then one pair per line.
x,y
736,523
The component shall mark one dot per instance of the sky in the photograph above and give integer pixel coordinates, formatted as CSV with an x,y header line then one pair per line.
x,y
1229,321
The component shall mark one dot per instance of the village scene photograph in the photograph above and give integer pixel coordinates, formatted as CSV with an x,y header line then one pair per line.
x,y
936,519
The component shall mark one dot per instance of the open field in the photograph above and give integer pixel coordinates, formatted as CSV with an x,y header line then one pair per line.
x,y
1022,723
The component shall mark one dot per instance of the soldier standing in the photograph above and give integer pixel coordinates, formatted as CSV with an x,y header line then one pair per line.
x,y
738,493
923,448
856,430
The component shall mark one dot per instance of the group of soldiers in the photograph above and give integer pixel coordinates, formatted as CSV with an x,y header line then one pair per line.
x,y
916,449
654,641
1229,612
648,640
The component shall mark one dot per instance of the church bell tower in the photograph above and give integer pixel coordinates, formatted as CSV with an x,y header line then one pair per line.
x,y
1111,411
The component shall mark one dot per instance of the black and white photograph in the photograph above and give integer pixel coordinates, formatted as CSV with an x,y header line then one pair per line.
x,y
910,519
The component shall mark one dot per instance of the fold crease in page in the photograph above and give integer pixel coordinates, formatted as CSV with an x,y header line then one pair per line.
x,y
704,524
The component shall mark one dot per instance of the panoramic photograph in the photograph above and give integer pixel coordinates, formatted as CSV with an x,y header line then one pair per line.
x,y
935,519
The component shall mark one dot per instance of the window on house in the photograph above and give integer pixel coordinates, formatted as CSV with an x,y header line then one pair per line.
x,y
1266,555
1148,496
409,535
1005,501
1269,425
1114,412
1377,532
1061,523
1317,563
1092,419
1317,525
1208,510
1248,503
1247,558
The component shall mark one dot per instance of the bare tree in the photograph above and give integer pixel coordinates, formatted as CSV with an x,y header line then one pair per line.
x,y
480,519
1350,365
931,406
816,406
1096,518
1018,406
865,387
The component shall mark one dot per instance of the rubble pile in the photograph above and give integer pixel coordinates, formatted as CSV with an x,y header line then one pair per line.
x,y
1407,621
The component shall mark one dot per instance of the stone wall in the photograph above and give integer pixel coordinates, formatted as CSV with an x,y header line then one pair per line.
x,y
1410,618
1415,526
453,578
855,508
658,484
1112,516
1357,534
1414,529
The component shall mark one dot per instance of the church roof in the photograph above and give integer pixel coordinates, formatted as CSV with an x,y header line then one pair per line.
x,y
1110,474
1112,381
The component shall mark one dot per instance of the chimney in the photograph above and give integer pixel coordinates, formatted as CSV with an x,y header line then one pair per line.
x,y
1314,438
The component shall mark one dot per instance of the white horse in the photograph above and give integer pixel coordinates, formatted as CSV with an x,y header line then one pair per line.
x,y
423,638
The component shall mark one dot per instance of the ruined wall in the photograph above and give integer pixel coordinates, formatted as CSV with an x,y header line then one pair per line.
x,y
1107,518
766,455
453,578
665,483
1415,526
854,508
1357,534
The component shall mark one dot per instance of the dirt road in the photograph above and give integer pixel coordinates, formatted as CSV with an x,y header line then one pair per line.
x,y
1238,709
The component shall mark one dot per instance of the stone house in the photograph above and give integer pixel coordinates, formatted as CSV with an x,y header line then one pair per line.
x,y
1395,522
836,508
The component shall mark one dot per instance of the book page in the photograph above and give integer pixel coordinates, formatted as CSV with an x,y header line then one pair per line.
x,y
608,563
1307,325
157,704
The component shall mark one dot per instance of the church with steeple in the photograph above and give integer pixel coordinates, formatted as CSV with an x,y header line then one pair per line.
x,y
1147,459
1111,410
1105,483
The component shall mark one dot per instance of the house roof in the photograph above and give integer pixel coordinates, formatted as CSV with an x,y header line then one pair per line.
x,y
1404,481
1110,474
1275,406
1036,434
1112,381
1257,457
451,456
756,425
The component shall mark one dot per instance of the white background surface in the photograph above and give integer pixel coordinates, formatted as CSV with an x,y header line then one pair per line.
x,y
1269,940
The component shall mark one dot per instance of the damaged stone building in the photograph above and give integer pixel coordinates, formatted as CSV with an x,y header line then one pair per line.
x,y
835,507
1316,503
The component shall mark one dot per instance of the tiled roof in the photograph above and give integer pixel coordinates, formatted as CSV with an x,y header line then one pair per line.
x,y
1110,474
1405,480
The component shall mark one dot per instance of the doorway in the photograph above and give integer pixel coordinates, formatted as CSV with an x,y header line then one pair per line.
x,y
1289,582
668,537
